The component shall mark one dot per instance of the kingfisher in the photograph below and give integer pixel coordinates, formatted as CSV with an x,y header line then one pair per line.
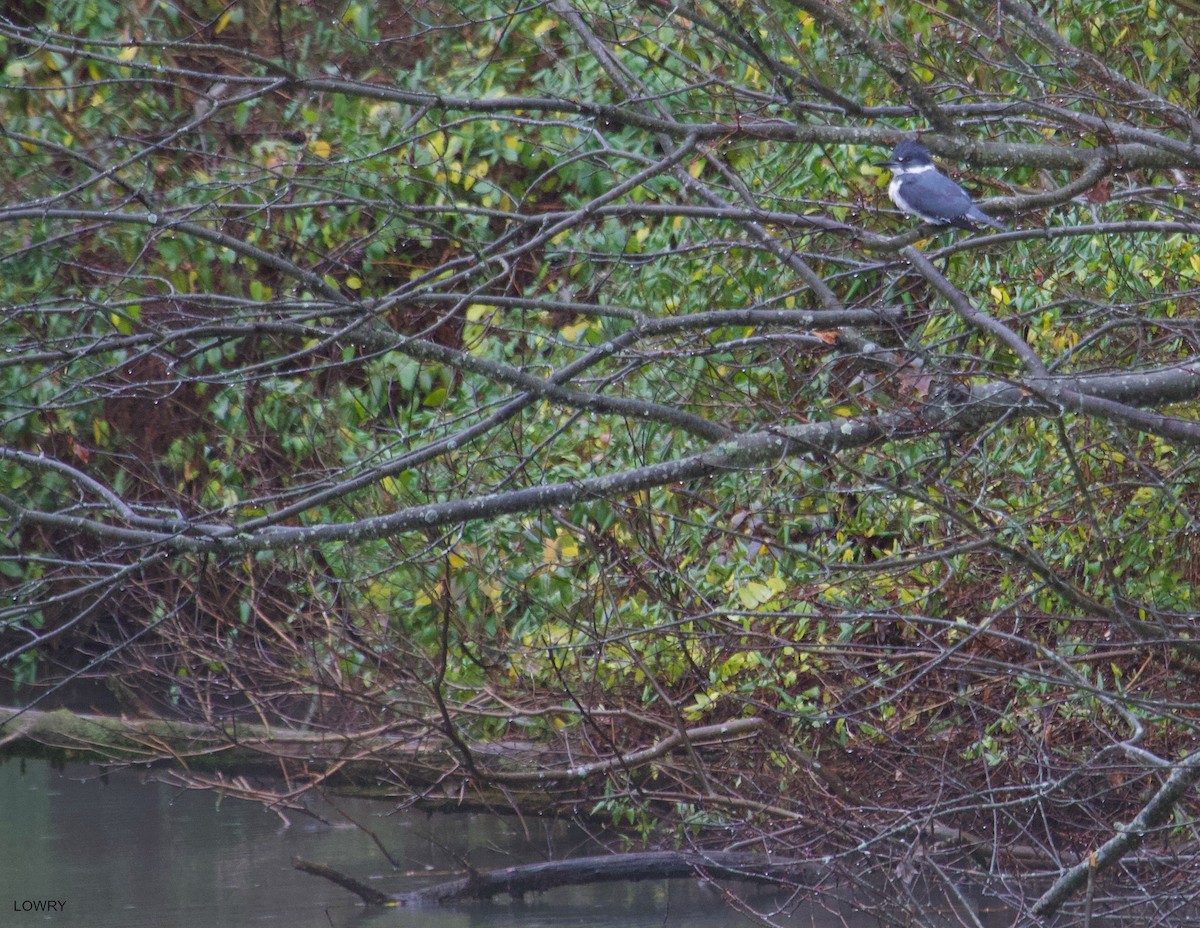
x,y
921,190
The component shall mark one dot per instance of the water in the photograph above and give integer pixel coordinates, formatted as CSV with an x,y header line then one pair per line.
x,y
124,851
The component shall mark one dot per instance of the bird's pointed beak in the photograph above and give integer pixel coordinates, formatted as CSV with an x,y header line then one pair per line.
x,y
884,164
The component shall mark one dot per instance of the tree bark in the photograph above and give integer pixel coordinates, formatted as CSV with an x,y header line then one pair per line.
x,y
539,877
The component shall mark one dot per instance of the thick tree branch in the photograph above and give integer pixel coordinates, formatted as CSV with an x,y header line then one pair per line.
x,y
1184,776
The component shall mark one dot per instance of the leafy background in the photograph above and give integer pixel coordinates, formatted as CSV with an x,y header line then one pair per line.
x,y
272,274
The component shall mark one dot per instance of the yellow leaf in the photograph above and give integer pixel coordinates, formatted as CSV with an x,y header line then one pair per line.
x,y
560,546
128,53
223,20
320,148
754,594
544,26
572,332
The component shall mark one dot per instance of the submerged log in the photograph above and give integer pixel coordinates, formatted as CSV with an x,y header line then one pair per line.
x,y
607,868
367,894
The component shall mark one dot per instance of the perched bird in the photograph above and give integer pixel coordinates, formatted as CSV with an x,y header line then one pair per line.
x,y
920,189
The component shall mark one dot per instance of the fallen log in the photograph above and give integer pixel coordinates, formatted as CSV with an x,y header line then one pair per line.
x,y
505,774
539,877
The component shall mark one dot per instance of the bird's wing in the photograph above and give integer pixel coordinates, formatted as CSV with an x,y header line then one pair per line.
x,y
940,197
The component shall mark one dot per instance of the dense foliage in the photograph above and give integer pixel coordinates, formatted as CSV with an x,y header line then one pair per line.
x,y
559,375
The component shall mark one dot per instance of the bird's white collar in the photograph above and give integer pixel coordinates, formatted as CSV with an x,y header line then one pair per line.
x,y
918,169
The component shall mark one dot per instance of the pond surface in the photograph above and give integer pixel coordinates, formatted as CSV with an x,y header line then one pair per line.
x,y
123,850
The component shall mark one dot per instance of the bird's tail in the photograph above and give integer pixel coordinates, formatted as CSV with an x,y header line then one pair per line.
x,y
977,215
